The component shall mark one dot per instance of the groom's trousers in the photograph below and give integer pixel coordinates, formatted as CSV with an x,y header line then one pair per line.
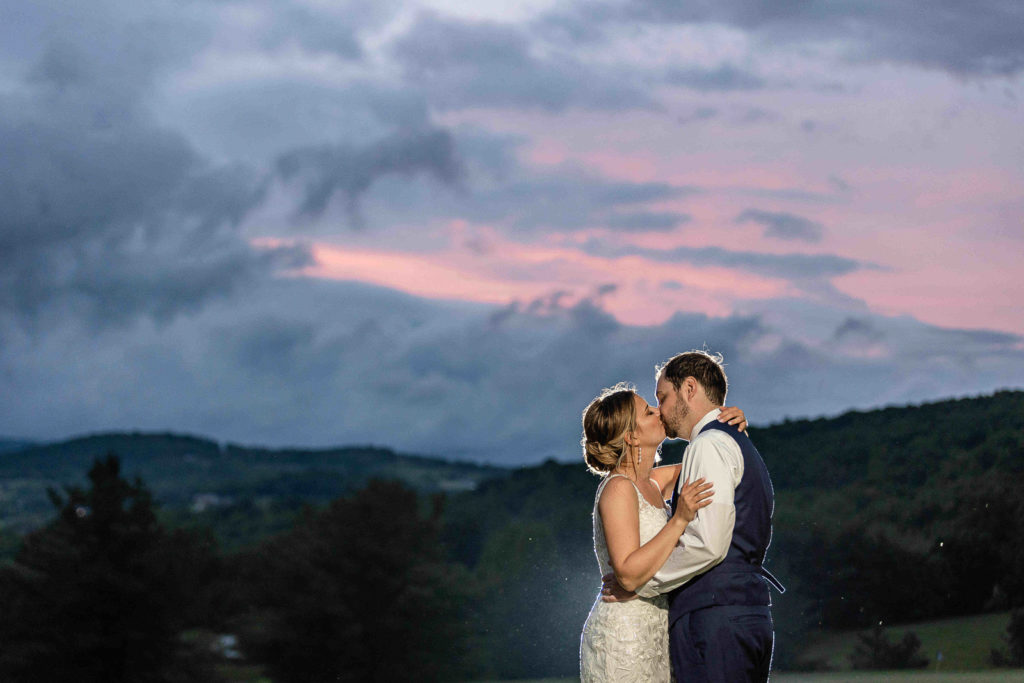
x,y
723,644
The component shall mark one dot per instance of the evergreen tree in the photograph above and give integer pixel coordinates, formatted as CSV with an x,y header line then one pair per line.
x,y
357,592
101,593
874,651
1014,637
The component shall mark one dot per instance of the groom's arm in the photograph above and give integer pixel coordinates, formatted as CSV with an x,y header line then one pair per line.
x,y
715,456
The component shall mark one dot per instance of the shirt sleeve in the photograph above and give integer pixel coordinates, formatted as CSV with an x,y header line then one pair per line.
x,y
716,457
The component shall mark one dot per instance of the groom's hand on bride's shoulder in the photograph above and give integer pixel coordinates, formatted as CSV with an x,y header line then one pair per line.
x,y
611,591
734,416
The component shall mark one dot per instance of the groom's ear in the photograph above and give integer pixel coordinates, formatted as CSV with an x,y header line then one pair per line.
x,y
694,389
689,388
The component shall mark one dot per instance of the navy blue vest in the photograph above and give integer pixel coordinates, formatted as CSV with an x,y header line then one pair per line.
x,y
739,579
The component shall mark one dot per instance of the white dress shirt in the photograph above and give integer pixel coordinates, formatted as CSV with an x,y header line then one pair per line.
x,y
716,457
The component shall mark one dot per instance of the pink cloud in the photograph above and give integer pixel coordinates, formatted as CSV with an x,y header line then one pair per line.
x,y
646,292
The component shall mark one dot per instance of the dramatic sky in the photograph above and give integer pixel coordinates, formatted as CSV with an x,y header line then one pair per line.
x,y
444,226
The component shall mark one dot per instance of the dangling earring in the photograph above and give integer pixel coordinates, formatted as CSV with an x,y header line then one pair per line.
x,y
639,455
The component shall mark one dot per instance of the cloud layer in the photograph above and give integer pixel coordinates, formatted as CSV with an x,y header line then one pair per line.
x,y
319,363
444,226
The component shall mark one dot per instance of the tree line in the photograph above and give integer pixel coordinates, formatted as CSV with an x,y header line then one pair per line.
x,y
387,583
358,591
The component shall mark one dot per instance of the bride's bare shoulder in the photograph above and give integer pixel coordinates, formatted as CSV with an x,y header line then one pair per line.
x,y
616,490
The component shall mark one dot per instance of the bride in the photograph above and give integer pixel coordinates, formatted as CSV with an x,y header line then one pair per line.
x,y
634,533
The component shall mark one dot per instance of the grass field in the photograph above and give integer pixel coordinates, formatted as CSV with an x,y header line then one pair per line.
x,y
965,642
1007,676
992,676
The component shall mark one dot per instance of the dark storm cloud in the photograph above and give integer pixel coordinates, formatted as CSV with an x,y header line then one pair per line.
x,y
461,63
982,38
349,171
786,226
107,215
792,267
117,221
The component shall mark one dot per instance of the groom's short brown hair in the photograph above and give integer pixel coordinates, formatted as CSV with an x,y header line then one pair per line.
x,y
703,367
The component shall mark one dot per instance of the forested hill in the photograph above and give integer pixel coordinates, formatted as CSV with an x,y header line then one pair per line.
x,y
895,464
898,448
190,472
904,445
8,445
894,515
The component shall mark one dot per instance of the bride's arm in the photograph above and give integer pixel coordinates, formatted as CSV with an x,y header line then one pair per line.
x,y
635,564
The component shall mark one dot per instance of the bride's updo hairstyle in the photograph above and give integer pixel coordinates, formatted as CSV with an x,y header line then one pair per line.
x,y
606,421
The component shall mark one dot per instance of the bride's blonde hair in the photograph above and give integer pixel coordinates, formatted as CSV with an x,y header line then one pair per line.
x,y
606,421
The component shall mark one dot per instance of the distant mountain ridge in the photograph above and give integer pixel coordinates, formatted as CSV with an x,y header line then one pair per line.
x,y
11,445
184,470
892,447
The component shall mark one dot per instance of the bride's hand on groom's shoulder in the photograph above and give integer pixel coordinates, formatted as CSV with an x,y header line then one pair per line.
x,y
611,591
733,416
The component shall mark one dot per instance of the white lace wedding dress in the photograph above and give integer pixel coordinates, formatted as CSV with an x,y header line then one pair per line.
x,y
626,641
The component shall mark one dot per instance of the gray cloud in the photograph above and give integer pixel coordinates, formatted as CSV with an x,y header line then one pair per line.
x,y
794,267
573,199
858,328
794,194
117,221
725,77
786,226
859,336
460,64
316,31
838,183
698,114
749,115
350,171
650,220
498,190
109,216
130,297
983,38
303,362
257,119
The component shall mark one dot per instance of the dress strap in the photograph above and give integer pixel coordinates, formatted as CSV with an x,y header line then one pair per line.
x,y
608,478
611,476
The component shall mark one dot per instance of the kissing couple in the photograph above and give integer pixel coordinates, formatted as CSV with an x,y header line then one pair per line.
x,y
685,594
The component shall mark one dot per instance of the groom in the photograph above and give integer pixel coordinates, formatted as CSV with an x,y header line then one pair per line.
x,y
720,625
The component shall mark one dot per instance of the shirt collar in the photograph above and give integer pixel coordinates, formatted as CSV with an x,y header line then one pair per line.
x,y
715,412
